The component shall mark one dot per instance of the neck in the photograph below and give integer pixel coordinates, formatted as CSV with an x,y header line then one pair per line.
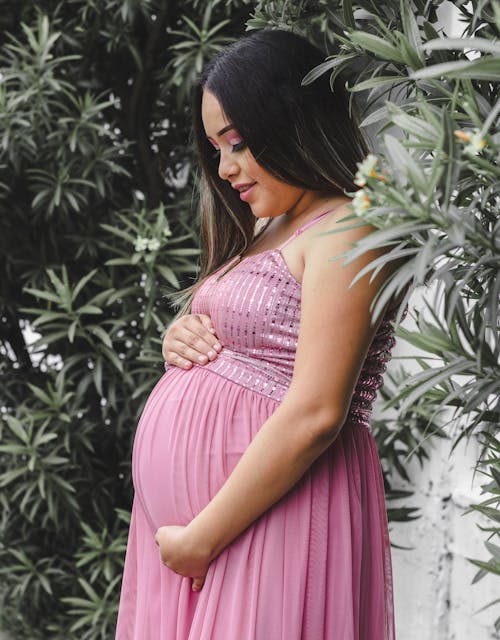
x,y
309,204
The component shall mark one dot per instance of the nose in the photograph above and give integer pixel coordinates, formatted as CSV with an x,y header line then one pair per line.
x,y
228,166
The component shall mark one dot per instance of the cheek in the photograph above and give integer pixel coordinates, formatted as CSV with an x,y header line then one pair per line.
x,y
269,202
284,194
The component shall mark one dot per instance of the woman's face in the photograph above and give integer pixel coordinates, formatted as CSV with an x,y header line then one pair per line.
x,y
266,195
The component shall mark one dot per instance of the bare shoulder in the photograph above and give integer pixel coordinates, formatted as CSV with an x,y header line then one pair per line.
x,y
334,234
341,225
335,327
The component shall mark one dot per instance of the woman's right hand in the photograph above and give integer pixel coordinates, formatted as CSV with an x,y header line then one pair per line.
x,y
190,339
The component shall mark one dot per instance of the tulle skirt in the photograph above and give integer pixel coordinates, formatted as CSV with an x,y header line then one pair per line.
x,y
316,566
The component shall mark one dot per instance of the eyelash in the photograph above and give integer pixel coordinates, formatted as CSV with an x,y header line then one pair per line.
x,y
234,149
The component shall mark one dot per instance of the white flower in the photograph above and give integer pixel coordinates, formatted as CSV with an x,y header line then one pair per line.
x,y
473,139
141,244
167,232
153,244
361,201
476,143
366,169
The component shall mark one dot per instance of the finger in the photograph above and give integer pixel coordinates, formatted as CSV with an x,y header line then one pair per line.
x,y
177,360
203,336
192,349
198,584
192,342
206,321
197,351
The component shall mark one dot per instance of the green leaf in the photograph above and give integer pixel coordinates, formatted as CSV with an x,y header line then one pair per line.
x,y
486,68
326,66
490,567
182,252
71,331
348,14
17,429
90,309
14,449
101,334
474,44
40,394
169,275
112,357
411,124
377,82
45,295
494,550
375,116
411,30
9,476
403,160
97,376
82,283
377,46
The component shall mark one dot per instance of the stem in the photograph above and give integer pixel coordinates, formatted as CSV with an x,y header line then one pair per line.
x,y
141,104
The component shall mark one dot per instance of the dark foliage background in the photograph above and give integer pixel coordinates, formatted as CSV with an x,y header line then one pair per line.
x,y
98,224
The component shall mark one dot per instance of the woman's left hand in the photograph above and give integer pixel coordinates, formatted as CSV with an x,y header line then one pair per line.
x,y
180,554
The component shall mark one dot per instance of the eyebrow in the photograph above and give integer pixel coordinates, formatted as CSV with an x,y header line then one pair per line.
x,y
225,129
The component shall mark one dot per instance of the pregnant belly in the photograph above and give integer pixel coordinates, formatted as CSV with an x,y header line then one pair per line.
x,y
193,430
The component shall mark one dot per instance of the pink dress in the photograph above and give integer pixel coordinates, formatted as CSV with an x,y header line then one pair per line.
x,y
317,565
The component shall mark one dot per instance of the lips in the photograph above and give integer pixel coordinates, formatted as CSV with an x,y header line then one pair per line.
x,y
241,187
244,189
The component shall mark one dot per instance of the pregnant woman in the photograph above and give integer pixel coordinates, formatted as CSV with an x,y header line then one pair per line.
x,y
259,507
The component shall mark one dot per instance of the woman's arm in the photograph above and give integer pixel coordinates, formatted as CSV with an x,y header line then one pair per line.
x,y
335,333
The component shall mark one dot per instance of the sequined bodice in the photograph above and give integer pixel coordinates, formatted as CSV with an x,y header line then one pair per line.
x,y
255,308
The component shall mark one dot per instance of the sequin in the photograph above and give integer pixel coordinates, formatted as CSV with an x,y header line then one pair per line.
x,y
256,307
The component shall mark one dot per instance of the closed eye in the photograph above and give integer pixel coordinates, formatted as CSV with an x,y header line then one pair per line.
x,y
239,146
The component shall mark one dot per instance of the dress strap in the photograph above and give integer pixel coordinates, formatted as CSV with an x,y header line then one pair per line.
x,y
308,224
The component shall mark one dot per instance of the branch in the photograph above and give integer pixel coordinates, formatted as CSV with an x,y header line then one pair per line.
x,y
140,107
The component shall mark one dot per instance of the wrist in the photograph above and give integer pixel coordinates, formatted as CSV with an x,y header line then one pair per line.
x,y
202,540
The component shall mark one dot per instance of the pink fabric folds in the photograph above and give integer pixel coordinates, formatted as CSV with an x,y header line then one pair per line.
x,y
315,567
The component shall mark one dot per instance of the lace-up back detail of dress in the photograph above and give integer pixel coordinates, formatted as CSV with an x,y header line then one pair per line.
x,y
255,306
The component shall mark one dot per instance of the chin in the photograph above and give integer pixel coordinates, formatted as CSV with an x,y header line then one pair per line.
x,y
260,212
259,215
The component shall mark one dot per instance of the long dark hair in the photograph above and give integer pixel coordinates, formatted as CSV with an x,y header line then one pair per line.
x,y
303,135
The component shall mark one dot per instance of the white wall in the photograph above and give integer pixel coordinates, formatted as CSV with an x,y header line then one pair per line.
x,y
434,597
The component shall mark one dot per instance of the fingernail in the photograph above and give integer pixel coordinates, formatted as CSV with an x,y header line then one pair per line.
x,y
202,358
211,354
187,364
212,330
217,346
